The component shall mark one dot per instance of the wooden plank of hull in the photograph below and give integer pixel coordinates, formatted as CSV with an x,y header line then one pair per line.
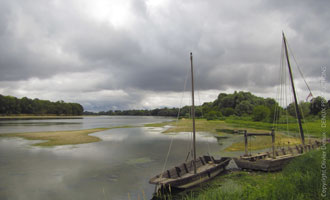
x,y
204,172
202,177
268,164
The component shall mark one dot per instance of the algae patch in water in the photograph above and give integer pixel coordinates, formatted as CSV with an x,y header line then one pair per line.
x,y
55,138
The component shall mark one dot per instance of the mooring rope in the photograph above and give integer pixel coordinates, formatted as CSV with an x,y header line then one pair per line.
x,y
309,89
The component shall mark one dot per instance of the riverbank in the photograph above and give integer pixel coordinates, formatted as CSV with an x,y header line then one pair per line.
x,y
311,128
33,117
224,128
305,178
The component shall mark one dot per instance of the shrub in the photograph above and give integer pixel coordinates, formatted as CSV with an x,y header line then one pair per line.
x,y
212,115
260,113
228,111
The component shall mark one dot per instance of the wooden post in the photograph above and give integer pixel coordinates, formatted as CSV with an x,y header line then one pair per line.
x,y
273,143
246,143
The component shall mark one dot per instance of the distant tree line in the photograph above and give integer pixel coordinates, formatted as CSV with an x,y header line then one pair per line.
x,y
237,104
11,105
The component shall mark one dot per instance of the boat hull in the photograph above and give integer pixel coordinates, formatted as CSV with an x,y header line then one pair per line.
x,y
188,179
264,162
267,165
198,178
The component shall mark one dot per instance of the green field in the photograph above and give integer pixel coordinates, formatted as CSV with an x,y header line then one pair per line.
x,y
311,128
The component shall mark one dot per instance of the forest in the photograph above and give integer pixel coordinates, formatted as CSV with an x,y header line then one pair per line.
x,y
239,104
14,106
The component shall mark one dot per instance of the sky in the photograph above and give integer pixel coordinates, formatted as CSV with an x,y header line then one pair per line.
x,y
134,54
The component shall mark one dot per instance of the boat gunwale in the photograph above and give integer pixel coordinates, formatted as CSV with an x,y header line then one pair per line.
x,y
177,181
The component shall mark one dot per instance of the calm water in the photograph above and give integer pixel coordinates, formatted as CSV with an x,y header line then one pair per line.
x,y
115,168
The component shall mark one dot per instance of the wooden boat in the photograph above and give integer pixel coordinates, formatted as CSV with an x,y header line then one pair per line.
x,y
265,164
273,161
268,163
194,172
183,176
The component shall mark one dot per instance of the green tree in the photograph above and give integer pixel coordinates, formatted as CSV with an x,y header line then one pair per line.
x,y
244,107
212,115
227,111
317,104
260,113
304,108
228,102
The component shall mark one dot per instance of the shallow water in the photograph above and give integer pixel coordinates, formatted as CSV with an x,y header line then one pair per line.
x,y
115,168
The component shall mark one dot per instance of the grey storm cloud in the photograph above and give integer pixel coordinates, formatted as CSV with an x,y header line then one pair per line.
x,y
236,45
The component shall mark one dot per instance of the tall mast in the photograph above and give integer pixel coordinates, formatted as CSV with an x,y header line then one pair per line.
x,y
193,110
294,91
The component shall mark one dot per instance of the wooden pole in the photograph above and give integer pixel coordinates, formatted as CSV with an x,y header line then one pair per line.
x,y
294,91
273,143
246,143
193,111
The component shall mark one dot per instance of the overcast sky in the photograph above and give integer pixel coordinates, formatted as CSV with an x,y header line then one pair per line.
x,y
134,54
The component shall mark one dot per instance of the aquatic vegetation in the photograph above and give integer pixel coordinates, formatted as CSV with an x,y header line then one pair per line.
x,y
54,138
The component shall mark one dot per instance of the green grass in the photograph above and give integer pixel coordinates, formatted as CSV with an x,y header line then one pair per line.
x,y
185,125
301,180
263,142
312,128
162,124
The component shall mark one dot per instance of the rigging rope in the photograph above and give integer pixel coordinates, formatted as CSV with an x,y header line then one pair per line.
x,y
201,110
278,95
310,92
285,96
302,75
177,119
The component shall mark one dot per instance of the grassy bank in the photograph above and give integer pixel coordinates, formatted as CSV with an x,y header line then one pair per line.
x,y
302,180
222,127
312,128
202,125
266,142
55,138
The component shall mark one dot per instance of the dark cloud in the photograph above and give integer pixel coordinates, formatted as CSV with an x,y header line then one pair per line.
x,y
236,45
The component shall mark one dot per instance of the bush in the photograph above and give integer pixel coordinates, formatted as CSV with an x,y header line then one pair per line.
x,y
213,115
228,111
260,113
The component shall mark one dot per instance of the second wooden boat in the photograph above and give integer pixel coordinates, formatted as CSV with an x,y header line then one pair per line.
x,y
276,160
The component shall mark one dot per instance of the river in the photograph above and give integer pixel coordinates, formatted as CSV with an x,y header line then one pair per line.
x,y
118,167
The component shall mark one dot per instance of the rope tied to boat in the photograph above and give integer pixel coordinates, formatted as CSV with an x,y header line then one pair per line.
x,y
177,119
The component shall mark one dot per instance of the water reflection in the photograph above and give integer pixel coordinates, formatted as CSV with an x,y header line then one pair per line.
x,y
120,164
